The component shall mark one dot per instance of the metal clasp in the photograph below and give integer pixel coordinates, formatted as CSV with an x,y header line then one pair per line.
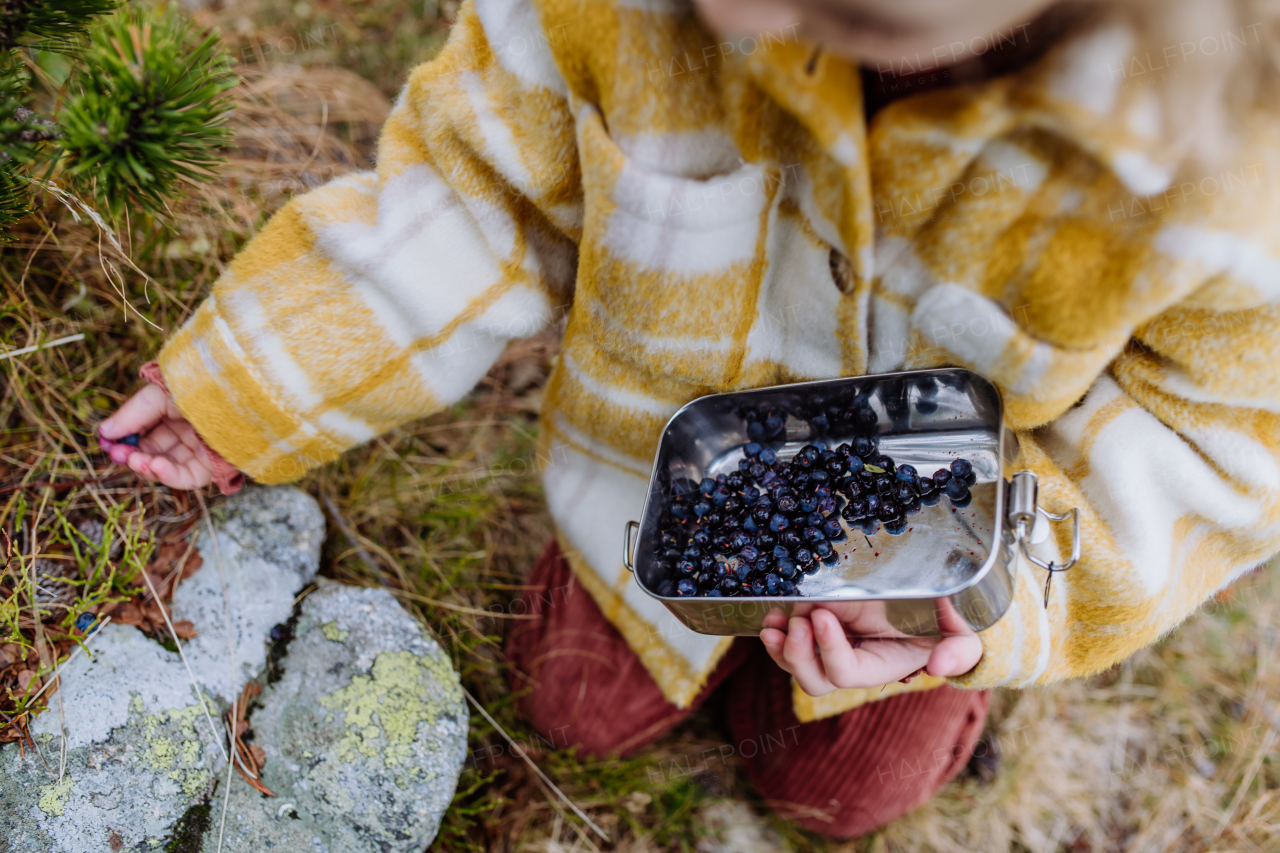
x,y
1023,493
627,546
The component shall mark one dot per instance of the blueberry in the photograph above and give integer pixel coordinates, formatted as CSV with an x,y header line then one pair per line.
x,y
808,456
666,589
903,493
788,505
756,432
706,563
863,446
819,478
941,477
820,424
757,586
774,426
787,568
791,540
681,512
961,469
84,621
720,495
707,486
781,553
822,493
728,586
735,481
907,472
786,588
889,511
826,506
693,552
770,479
813,519
750,415
831,528
714,593
885,462
824,550
957,490
778,523
701,508
844,449
683,486
752,450
686,567
851,512
757,469
686,587
131,440
701,537
813,534
896,527
749,553
743,465
738,541
713,519
804,557
808,504
765,539
761,512
883,483
873,504
768,456
771,582
802,480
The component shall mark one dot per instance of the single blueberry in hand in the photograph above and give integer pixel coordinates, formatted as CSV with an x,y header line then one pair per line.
x,y
131,440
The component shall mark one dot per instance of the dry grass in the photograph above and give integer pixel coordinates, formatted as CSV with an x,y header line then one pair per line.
x,y
1172,752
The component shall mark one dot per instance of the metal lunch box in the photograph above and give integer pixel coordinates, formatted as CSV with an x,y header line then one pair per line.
x,y
924,418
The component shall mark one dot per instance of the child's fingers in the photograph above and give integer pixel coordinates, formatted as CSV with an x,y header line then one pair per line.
x,y
773,640
191,474
139,413
802,662
955,655
839,658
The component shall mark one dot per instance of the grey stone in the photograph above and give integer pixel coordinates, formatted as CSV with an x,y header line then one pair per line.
x,y
365,734
139,753
139,748
269,543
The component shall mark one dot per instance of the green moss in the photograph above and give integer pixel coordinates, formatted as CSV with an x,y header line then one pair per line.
x,y
189,830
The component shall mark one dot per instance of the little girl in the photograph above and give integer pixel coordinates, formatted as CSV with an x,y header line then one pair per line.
x,y
1078,202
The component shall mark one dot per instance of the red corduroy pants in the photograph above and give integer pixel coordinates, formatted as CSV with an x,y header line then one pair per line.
x,y
842,776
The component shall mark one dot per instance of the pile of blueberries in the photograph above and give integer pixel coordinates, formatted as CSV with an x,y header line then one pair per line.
x,y
759,530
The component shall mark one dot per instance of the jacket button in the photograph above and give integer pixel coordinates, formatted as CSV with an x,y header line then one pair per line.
x,y
841,271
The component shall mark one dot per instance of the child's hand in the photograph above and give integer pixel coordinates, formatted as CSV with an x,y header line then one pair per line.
x,y
878,654
168,449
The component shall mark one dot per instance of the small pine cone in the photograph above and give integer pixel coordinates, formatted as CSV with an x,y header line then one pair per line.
x,y
51,591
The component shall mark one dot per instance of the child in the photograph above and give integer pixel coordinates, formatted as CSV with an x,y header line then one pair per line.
x,y
1080,205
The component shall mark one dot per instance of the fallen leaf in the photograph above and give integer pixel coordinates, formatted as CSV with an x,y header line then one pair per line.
x,y
242,727
129,614
194,562
252,689
259,756
5,659
27,681
184,628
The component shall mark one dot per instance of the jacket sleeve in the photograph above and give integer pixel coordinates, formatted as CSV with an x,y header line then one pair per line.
x,y
1173,458
384,296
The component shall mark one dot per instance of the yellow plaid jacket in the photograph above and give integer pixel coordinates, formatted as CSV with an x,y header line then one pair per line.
x,y
710,214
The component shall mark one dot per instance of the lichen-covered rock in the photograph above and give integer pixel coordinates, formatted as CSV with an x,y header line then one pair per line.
x,y
269,542
139,753
365,733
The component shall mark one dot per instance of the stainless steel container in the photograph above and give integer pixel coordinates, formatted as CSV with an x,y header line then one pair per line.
x,y
924,418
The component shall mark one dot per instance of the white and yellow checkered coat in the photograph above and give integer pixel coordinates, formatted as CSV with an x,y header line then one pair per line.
x,y
715,215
